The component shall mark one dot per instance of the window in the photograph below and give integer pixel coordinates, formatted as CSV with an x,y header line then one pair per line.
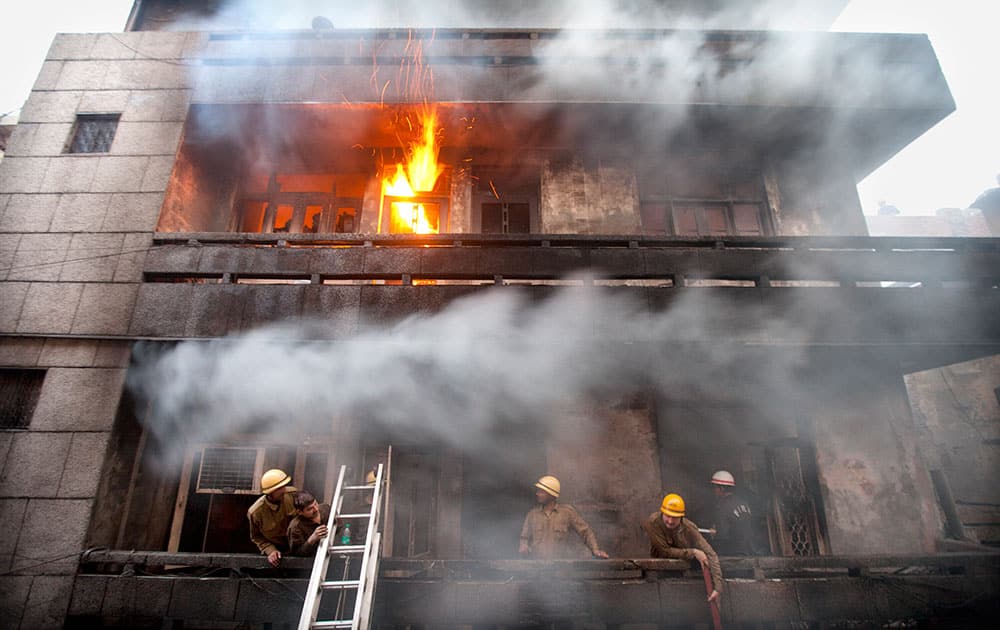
x,y
220,482
299,203
19,390
93,133
703,203
507,198
506,218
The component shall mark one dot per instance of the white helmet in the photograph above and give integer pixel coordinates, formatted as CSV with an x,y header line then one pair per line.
x,y
723,478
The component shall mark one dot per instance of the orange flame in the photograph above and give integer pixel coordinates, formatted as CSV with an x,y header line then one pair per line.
x,y
419,175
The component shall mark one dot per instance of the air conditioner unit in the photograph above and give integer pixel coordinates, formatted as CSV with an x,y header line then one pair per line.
x,y
230,470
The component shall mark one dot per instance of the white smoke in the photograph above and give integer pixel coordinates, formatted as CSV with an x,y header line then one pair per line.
x,y
485,363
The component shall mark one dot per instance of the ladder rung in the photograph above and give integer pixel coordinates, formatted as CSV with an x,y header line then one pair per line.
x,y
346,549
340,584
371,487
344,623
363,514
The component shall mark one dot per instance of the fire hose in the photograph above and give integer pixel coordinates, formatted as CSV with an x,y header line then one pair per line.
x,y
714,604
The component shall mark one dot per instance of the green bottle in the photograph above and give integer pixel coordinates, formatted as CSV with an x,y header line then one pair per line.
x,y
345,534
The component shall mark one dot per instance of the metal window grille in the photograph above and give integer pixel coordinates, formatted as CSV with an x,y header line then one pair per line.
x,y
93,133
229,470
800,534
796,512
19,390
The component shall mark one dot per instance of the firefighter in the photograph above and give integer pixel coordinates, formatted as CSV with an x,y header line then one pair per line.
x,y
673,536
270,515
545,534
733,518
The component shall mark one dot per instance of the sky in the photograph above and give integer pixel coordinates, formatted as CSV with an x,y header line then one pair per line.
x,y
947,167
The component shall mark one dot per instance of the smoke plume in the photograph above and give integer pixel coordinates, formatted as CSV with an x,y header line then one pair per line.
x,y
484,364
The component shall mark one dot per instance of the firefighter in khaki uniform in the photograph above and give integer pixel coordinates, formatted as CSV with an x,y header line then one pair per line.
x,y
673,536
544,534
270,515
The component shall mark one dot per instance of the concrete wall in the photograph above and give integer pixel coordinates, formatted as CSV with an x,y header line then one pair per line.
x,y
875,484
606,457
579,198
815,196
958,414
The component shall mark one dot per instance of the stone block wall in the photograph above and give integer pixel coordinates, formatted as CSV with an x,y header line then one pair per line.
x,y
74,232
49,472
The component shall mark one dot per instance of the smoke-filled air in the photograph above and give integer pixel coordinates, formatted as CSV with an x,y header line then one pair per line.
x,y
486,363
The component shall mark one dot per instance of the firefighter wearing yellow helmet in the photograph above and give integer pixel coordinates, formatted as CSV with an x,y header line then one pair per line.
x,y
545,534
270,515
673,536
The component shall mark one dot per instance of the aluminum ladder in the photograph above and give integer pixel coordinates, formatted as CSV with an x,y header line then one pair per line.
x,y
370,551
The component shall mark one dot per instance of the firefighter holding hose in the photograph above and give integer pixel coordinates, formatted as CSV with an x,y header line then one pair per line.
x,y
673,536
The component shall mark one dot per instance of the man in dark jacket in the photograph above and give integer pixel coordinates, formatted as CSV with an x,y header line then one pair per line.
x,y
673,536
309,525
734,535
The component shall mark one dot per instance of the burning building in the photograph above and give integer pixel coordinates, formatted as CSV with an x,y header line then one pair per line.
x,y
625,256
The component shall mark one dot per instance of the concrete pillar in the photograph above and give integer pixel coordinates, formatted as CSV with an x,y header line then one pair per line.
x,y
875,485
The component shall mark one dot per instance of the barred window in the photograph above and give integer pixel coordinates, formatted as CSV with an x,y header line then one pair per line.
x,y
93,133
19,390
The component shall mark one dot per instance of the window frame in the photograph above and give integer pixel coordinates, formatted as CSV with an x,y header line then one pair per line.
x,y
81,123
728,201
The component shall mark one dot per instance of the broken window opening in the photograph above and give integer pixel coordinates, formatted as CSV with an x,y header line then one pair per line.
x,y
93,133
19,392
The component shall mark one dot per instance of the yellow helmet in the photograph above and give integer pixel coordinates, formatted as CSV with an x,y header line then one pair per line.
x,y
549,484
370,477
273,479
673,505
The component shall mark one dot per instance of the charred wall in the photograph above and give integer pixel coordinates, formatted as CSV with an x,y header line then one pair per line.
x,y
605,454
957,414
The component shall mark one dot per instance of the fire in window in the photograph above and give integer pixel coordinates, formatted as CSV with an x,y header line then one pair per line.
x,y
93,133
413,197
19,390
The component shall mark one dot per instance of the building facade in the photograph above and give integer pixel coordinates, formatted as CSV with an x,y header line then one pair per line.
x,y
183,182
